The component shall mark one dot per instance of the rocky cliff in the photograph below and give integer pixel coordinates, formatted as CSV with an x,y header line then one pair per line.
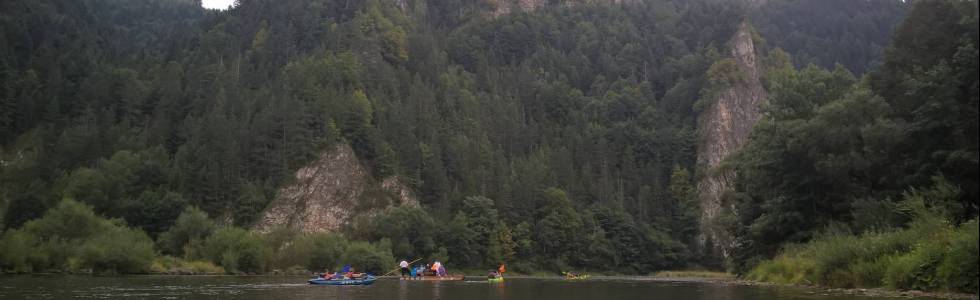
x,y
502,7
326,194
723,127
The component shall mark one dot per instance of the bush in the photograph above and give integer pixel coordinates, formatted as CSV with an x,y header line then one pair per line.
x,y
866,274
173,265
917,269
69,220
411,229
370,258
289,248
960,268
237,249
71,237
326,252
192,225
16,251
119,250
929,255
785,269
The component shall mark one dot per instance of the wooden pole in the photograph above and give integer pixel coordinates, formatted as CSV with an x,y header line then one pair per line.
x,y
409,264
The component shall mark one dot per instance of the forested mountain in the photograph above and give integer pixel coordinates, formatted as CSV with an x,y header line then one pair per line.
x,y
826,33
554,138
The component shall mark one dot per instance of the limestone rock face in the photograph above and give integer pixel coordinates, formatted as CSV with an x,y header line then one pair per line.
x,y
723,127
503,7
328,192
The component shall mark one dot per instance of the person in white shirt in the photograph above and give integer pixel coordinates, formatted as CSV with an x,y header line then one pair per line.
x,y
404,266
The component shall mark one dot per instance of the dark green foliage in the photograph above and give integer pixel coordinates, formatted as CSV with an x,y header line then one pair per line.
x,y
557,138
119,249
237,250
367,257
218,114
190,230
71,237
326,251
834,155
558,229
930,79
960,268
928,255
829,32
411,230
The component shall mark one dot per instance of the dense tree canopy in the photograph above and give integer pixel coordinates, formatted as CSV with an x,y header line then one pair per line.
x,y
835,152
559,138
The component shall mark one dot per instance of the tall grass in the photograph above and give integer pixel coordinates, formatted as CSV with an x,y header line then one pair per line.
x,y
929,255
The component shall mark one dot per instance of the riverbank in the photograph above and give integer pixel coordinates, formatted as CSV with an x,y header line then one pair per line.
x,y
873,292
723,278
726,278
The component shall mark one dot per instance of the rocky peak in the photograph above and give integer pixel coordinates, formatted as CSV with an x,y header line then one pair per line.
x,y
502,7
327,193
724,127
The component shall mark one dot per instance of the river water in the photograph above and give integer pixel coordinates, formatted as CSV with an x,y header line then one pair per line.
x,y
282,288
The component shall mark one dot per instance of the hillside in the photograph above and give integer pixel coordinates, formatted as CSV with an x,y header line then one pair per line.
x,y
603,135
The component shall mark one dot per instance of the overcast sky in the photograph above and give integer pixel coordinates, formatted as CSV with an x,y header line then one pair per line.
x,y
219,4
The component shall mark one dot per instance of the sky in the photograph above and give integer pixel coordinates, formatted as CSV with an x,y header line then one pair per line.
x,y
219,4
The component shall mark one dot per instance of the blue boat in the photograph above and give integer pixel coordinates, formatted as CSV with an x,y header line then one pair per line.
x,y
362,281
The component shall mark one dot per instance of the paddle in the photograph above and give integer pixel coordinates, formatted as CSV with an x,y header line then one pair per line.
x,y
398,268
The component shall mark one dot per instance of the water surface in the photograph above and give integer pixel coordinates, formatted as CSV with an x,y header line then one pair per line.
x,y
280,288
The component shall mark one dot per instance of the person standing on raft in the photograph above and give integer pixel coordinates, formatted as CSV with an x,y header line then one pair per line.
x,y
404,266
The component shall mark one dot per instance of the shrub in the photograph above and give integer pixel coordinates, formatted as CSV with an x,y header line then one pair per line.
x,y
866,273
367,257
785,269
917,269
192,225
173,265
927,255
236,249
69,220
71,236
119,250
326,252
289,248
16,250
959,268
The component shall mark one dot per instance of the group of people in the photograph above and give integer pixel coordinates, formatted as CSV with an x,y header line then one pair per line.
x,y
421,270
346,273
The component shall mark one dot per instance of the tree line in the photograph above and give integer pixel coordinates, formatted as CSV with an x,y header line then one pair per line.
x,y
570,126
880,172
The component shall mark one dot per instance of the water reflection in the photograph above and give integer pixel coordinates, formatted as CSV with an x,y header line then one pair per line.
x,y
500,288
402,290
278,287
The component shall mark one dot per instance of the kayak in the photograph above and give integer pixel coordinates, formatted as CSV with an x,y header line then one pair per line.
x,y
437,278
577,277
362,281
495,280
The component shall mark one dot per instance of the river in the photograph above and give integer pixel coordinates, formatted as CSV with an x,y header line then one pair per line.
x,y
284,287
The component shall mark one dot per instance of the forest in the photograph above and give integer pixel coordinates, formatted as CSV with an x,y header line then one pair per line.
x,y
556,139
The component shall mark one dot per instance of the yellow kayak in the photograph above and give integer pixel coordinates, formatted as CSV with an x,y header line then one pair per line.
x,y
577,277
497,279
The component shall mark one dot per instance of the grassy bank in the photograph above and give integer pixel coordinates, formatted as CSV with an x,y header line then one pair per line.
x,y
929,255
694,274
